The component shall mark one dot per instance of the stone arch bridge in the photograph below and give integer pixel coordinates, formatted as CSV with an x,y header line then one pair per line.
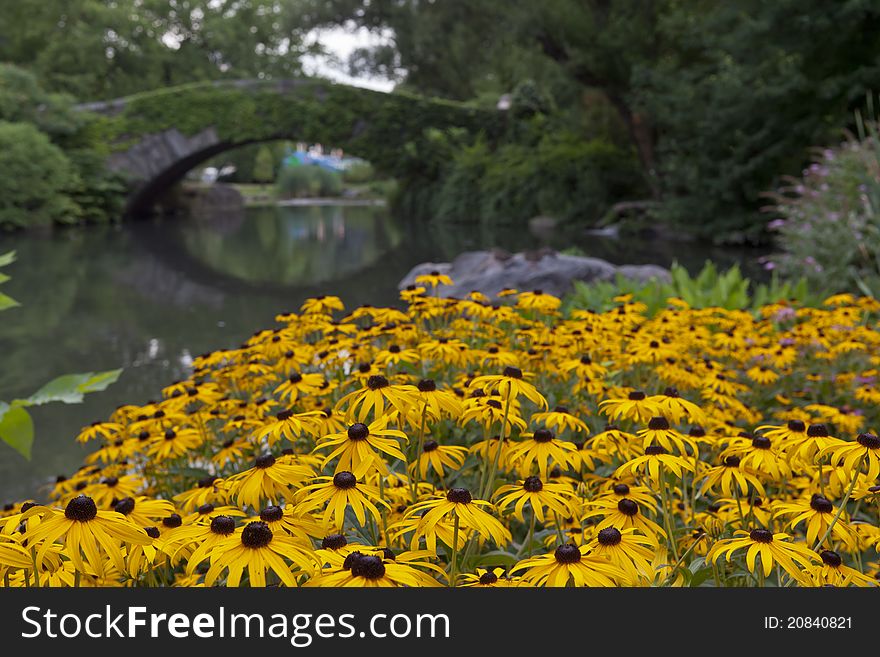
x,y
155,138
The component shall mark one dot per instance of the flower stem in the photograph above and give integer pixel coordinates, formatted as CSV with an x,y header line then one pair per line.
x,y
501,436
843,502
415,478
666,514
453,568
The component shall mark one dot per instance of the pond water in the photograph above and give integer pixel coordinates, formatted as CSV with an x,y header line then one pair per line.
x,y
148,296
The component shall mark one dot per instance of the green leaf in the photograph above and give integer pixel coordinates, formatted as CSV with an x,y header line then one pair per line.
x,y
17,431
70,388
7,302
7,258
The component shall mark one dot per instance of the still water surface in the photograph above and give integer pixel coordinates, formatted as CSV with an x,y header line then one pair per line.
x,y
149,296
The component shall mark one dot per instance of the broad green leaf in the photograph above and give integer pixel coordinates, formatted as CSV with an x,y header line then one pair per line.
x,y
7,302
494,558
17,431
70,388
7,258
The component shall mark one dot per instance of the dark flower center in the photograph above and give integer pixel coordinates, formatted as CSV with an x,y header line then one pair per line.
x,y
124,506
427,385
697,431
205,509
621,489
654,450
817,431
732,461
567,553
377,381
761,442
627,507
264,461
494,404
869,440
358,431
223,525
172,521
170,434
284,415
430,446
513,372
459,496
543,435
636,395
658,424
344,480
368,567
256,535
488,578
560,409
831,558
796,425
207,481
110,481
533,484
609,536
350,560
761,536
152,532
272,513
81,508
821,504
334,542
295,378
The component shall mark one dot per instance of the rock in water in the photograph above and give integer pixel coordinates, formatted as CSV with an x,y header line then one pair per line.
x,y
554,273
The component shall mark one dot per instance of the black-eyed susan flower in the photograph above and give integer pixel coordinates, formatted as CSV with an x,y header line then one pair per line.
x,y
636,407
851,454
510,384
730,474
457,504
89,536
653,462
660,433
627,549
571,565
818,514
623,514
298,384
832,571
438,457
561,419
368,567
771,548
375,397
259,551
359,448
538,495
542,449
489,578
340,492
268,480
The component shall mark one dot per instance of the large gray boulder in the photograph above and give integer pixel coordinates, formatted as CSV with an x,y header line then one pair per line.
x,y
490,272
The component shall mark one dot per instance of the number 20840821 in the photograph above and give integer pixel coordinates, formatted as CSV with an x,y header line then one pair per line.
x,y
808,622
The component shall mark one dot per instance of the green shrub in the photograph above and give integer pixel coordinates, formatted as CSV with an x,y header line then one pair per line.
x,y
709,289
828,220
38,178
359,172
304,181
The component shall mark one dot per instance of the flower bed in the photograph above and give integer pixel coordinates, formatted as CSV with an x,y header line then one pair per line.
x,y
461,443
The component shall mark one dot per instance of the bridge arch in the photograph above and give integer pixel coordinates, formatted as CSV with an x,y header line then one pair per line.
x,y
156,137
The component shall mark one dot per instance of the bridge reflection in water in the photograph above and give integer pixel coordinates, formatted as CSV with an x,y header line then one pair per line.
x,y
298,246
